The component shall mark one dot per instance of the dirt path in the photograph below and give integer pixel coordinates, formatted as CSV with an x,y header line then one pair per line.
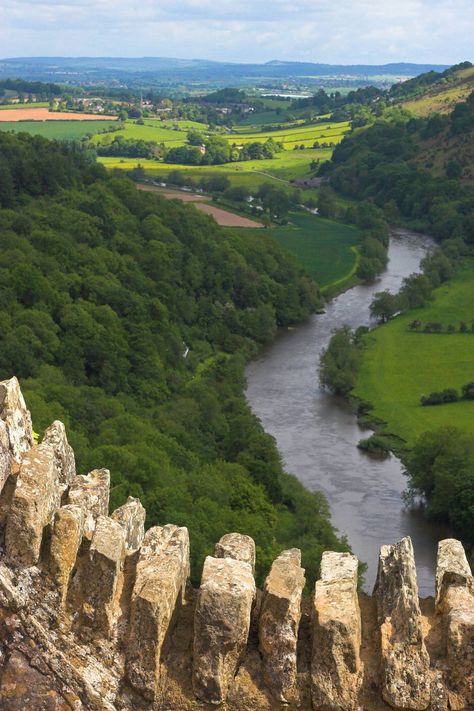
x,y
47,115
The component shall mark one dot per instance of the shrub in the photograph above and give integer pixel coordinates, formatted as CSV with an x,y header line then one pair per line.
x,y
440,398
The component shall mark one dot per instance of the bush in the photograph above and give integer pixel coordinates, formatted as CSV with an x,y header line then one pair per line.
x,y
440,398
468,391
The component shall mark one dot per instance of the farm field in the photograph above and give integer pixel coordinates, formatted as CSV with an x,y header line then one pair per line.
x,y
393,381
324,247
154,130
285,166
43,114
225,218
59,130
21,107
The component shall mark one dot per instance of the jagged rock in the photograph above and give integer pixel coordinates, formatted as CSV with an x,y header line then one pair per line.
x,y
14,413
103,576
65,542
336,667
279,623
91,493
221,625
455,601
56,437
36,497
5,455
404,659
161,577
132,517
237,546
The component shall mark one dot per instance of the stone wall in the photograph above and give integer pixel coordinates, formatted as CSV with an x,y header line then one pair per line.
x,y
96,614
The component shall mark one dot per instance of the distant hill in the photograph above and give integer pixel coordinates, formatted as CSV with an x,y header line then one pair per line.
x,y
162,70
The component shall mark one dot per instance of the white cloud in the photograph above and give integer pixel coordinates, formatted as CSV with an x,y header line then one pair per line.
x,y
346,31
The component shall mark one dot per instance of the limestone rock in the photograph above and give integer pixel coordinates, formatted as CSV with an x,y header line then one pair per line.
x,y
455,601
132,517
65,542
91,493
14,413
221,625
23,688
162,573
237,546
103,576
56,437
336,667
279,623
5,455
404,659
36,497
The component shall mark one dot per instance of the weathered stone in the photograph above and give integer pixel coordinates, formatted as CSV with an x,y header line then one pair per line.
x,y
455,601
336,667
23,688
279,623
132,517
5,455
161,577
91,493
65,542
14,413
56,437
103,576
36,497
221,625
404,659
237,546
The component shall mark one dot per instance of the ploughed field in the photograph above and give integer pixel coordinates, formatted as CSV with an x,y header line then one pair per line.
x,y
225,218
43,114
400,365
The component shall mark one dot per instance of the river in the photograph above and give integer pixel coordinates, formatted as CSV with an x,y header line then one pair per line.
x,y
317,433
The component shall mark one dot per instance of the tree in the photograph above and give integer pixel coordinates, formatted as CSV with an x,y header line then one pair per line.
x,y
340,362
384,305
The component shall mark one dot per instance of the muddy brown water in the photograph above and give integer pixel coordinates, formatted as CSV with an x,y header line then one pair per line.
x,y
317,433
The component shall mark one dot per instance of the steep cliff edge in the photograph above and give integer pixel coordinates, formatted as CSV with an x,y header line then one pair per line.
x,y
98,615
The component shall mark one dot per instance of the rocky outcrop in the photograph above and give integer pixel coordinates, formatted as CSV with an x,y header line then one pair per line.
x,y
221,625
96,617
336,667
280,615
162,573
17,419
404,659
131,516
103,577
237,546
91,494
36,497
455,603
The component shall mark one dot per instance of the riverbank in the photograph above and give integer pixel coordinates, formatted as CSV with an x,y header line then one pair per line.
x,y
317,434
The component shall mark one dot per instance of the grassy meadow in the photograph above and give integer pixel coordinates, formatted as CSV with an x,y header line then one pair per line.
x,y
324,247
443,99
399,366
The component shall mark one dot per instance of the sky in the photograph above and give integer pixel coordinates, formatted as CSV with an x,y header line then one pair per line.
x,y
330,31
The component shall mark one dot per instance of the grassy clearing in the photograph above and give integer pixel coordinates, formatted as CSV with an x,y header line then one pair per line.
x,y
60,130
324,247
399,366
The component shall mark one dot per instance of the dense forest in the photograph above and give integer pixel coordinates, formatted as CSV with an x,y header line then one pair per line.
x,y
130,318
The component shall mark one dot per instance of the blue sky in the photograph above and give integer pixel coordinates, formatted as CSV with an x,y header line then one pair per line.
x,y
334,31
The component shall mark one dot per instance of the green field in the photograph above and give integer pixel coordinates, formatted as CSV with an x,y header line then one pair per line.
x,y
399,366
35,105
154,130
60,130
324,247
287,165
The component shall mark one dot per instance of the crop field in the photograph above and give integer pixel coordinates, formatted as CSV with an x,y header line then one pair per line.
x,y
43,114
400,366
59,130
285,166
324,247
154,130
297,135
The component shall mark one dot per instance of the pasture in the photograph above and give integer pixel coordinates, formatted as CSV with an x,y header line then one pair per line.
x,y
399,366
325,248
